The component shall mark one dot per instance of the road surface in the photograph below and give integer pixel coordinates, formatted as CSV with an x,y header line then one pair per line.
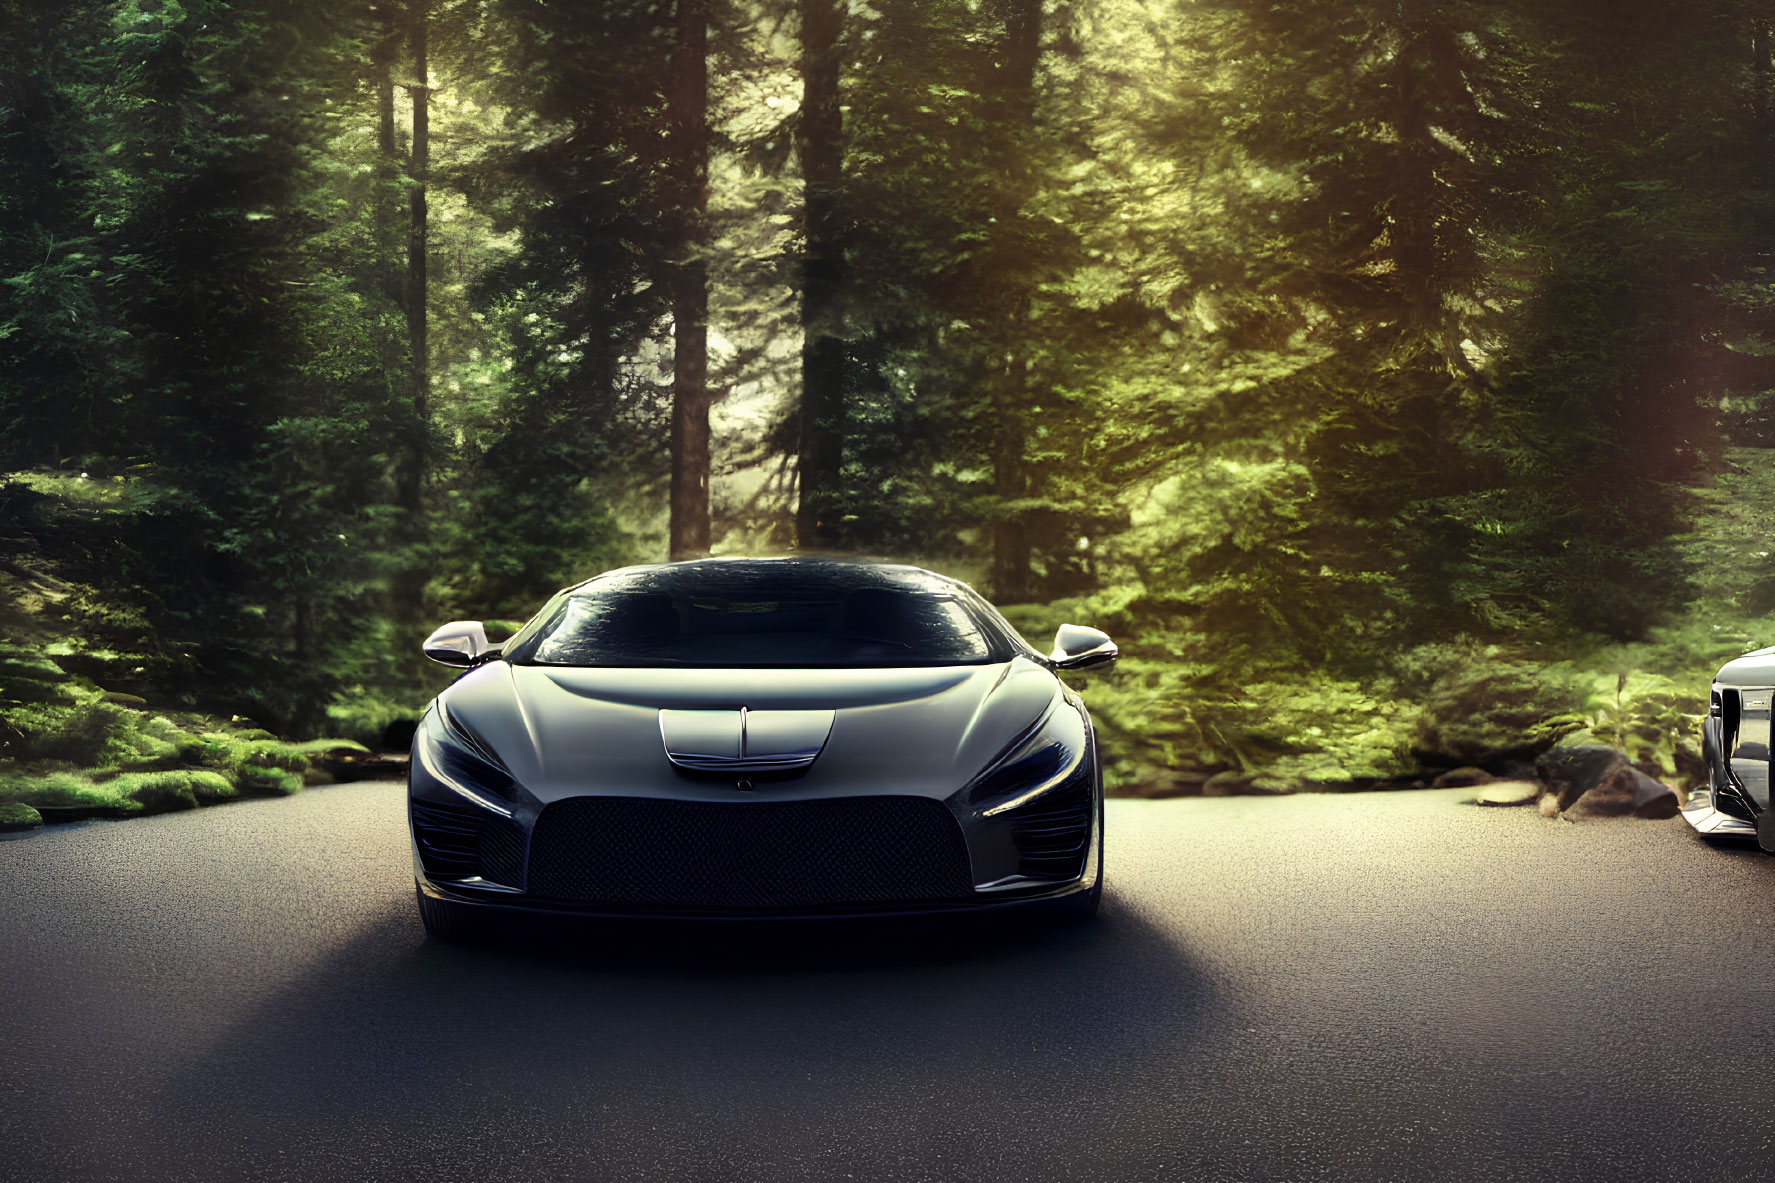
x,y
1374,986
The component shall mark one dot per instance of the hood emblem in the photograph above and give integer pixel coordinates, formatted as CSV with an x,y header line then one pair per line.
x,y
744,741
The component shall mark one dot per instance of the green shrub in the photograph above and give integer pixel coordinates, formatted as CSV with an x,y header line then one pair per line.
x,y
363,716
1483,704
1648,716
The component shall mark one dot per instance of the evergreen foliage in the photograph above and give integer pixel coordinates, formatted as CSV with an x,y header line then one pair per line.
x,y
1391,379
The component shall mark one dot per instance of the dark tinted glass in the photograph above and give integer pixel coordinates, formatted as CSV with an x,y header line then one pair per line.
x,y
784,614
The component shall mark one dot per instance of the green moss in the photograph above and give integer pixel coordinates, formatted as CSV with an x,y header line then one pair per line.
x,y
17,816
109,759
269,780
130,792
46,693
211,787
64,790
156,792
273,753
90,732
14,666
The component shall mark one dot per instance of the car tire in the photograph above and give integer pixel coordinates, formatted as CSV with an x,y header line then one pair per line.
x,y
446,920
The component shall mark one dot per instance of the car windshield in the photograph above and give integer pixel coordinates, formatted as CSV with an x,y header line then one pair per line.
x,y
763,615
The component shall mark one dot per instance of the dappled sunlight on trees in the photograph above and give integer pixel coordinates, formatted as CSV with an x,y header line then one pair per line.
x,y
1390,379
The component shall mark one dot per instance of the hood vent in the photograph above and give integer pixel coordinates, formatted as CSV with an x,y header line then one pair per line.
x,y
744,741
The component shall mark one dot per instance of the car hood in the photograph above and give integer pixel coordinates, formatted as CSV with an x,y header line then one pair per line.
x,y
1756,668
563,731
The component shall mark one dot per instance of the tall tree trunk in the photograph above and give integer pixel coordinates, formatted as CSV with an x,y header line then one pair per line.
x,y
689,104
383,55
389,266
1762,100
820,144
419,166
410,583
1011,573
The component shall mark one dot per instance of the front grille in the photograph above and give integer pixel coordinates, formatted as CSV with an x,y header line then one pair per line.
x,y
1053,832
457,841
760,854
502,852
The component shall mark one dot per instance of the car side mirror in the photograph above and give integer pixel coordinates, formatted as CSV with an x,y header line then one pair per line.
x,y
460,643
1079,648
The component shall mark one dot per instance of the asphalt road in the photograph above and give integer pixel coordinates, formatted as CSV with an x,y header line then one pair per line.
x,y
1377,986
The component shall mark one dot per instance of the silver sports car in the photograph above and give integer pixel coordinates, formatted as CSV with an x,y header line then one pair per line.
x,y
785,737
1735,742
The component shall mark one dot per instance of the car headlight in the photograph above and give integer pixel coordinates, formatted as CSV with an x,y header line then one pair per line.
x,y
1050,755
455,757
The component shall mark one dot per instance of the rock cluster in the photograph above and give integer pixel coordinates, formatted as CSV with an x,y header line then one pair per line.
x,y
1578,782
1593,780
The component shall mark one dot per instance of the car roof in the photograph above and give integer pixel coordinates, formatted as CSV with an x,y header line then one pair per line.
x,y
775,572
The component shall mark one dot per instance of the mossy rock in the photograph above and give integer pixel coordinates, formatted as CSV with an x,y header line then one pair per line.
x,y
156,792
270,780
15,816
210,788
59,795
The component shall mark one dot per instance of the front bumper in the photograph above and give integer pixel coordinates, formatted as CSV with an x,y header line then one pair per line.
x,y
509,883
1711,823
510,905
703,851
1703,813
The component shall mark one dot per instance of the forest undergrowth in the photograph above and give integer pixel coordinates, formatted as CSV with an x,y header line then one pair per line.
x,y
1395,380
93,721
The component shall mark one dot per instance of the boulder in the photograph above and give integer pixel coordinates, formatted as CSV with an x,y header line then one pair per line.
x,y
1508,792
1573,771
1460,778
1627,793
